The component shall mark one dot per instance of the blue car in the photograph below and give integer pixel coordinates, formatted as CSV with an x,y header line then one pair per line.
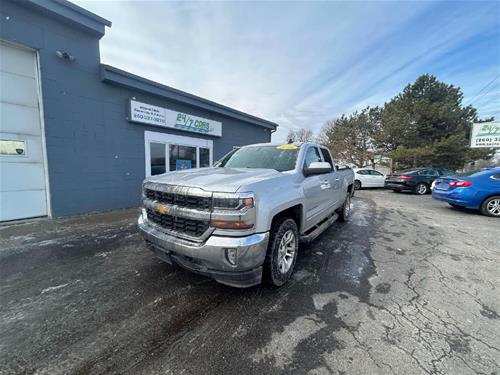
x,y
479,190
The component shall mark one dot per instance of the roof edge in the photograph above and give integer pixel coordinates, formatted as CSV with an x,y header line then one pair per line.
x,y
73,13
110,74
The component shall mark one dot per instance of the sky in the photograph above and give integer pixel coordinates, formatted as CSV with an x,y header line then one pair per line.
x,y
302,63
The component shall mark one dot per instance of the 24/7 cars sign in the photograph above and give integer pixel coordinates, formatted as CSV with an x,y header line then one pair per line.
x,y
158,116
485,134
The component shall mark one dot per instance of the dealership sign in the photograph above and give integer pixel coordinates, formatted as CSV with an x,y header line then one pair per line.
x,y
159,116
485,134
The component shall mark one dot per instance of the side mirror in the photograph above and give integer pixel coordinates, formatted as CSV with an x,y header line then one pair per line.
x,y
317,168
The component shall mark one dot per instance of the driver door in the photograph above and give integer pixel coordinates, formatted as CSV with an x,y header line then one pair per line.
x,y
335,192
317,189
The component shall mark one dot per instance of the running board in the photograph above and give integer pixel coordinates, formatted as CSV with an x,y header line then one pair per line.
x,y
319,229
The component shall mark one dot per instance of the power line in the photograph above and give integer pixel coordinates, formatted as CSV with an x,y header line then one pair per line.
x,y
480,91
492,100
488,114
486,92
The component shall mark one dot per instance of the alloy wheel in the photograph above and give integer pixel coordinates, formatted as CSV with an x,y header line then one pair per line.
x,y
421,189
286,251
493,207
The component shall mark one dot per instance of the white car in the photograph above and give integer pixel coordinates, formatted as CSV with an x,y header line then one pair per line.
x,y
367,177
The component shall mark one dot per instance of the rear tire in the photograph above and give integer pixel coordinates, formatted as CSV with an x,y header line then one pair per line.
x,y
357,185
396,190
421,189
345,210
281,252
491,206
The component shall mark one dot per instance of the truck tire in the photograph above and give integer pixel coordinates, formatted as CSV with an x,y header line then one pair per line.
x,y
281,252
345,210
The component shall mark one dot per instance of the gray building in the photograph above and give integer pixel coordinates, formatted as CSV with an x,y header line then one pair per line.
x,y
78,136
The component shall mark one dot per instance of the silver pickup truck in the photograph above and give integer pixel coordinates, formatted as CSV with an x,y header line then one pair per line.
x,y
241,221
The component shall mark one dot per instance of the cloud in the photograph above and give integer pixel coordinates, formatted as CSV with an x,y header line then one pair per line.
x,y
302,63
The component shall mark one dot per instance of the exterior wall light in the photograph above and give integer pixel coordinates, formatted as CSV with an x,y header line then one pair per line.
x,y
65,56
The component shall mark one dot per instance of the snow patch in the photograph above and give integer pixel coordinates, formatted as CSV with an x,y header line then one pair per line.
x,y
52,288
48,242
360,214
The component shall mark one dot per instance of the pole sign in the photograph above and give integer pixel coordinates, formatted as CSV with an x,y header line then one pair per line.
x,y
485,134
152,115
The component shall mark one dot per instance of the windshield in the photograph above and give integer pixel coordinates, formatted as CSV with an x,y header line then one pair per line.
x,y
280,158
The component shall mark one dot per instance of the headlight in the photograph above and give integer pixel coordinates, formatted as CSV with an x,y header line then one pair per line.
x,y
233,211
233,201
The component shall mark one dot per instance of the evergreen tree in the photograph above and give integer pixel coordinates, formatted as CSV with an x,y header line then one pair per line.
x,y
427,124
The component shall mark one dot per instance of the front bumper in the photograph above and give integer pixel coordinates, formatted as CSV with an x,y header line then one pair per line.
x,y
209,258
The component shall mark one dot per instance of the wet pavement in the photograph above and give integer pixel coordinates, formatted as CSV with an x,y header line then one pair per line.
x,y
409,286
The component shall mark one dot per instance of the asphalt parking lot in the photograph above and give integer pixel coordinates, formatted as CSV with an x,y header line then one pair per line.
x,y
408,286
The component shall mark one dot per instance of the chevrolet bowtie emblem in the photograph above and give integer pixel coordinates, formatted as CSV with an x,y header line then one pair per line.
x,y
162,209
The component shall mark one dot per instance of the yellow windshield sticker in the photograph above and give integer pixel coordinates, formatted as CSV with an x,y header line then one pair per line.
x,y
287,147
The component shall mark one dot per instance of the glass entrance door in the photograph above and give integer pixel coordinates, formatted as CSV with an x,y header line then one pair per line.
x,y
182,157
165,152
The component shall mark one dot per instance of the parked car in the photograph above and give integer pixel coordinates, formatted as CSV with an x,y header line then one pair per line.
x,y
417,180
241,221
478,190
367,177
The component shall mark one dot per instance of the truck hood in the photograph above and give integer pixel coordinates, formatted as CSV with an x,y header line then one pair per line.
x,y
216,179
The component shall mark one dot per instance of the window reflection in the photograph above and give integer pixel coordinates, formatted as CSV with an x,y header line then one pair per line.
x,y
182,157
157,152
204,157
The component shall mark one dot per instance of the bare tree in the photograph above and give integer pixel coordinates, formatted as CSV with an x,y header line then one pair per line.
x,y
300,135
351,137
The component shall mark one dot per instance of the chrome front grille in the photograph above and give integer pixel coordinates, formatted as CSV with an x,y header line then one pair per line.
x,y
181,200
183,211
190,227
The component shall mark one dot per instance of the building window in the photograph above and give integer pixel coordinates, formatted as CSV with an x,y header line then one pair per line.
x,y
168,152
157,152
204,157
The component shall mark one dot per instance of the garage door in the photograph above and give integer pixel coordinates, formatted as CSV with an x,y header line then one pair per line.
x,y
22,169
